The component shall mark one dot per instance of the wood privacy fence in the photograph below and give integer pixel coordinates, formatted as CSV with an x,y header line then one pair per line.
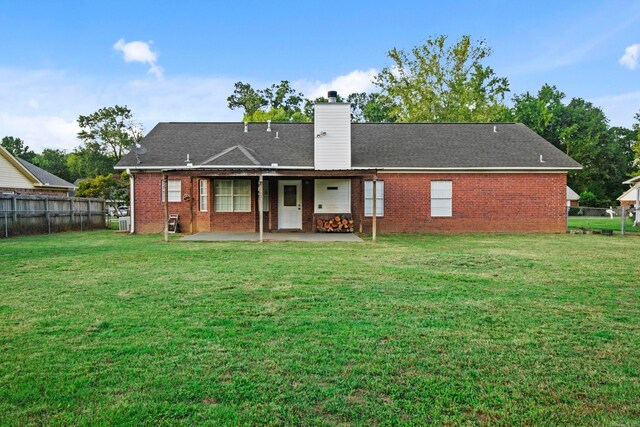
x,y
23,214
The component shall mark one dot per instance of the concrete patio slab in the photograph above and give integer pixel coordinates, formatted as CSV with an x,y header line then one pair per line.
x,y
272,237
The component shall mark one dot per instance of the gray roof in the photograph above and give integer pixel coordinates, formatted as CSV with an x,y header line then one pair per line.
x,y
46,178
381,145
572,195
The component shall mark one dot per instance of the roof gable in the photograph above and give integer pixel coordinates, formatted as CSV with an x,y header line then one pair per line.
x,y
236,155
45,178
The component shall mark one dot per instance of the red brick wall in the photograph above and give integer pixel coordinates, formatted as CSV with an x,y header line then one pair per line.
x,y
34,191
482,202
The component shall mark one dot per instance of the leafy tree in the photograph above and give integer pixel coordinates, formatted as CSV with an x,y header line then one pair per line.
x,y
370,107
17,147
541,113
112,128
246,97
437,82
277,115
283,96
55,162
108,187
89,161
635,146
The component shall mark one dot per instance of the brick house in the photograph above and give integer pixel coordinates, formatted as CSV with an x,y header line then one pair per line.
x,y
428,177
17,176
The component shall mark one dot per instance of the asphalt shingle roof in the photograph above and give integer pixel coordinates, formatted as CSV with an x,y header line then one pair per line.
x,y
46,178
400,145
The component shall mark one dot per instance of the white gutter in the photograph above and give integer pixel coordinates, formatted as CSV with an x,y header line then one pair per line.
x,y
196,167
132,199
382,168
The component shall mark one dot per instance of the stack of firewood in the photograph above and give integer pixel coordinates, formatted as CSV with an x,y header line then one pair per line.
x,y
337,224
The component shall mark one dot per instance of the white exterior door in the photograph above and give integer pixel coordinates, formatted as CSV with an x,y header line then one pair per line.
x,y
290,204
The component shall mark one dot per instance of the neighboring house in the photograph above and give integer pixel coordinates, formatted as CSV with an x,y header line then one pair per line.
x,y
573,198
430,177
18,176
631,197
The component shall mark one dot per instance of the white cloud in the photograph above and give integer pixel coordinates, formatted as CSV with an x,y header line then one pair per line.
x,y
61,98
631,57
619,108
355,81
138,51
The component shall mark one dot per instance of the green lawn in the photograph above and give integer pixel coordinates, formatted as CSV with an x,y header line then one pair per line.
x,y
602,223
103,328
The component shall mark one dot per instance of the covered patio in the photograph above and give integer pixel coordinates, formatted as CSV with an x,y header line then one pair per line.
x,y
217,236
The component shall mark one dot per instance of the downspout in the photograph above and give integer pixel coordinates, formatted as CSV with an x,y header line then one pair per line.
x,y
132,204
191,205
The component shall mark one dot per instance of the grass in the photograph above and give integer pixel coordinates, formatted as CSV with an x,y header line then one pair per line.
x,y
602,223
102,328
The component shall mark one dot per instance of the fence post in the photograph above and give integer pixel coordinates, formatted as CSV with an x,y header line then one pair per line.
x,y
6,225
80,213
72,216
624,220
48,214
14,208
89,219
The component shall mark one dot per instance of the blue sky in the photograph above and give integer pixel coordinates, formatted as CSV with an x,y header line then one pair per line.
x,y
60,59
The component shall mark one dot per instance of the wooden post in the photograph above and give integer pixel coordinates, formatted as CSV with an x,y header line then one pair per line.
x,y
261,207
89,218
46,208
165,185
191,202
637,219
14,209
624,219
374,213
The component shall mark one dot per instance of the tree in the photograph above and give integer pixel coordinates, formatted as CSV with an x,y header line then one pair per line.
x,y
108,187
635,147
17,147
437,82
89,161
370,107
277,115
112,128
283,96
55,162
246,97
541,113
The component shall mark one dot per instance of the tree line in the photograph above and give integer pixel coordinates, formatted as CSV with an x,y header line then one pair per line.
x,y
440,81
106,136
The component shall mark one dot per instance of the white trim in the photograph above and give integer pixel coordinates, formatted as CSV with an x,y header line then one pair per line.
x,y
379,200
206,195
132,202
182,167
382,169
232,195
473,169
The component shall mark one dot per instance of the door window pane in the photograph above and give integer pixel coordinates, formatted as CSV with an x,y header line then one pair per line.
x,y
290,195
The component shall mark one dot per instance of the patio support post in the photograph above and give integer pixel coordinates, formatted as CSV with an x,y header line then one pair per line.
x,y
165,185
193,193
374,213
260,206
637,220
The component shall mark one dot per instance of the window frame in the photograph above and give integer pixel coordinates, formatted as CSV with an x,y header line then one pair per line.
x,y
179,191
203,195
233,195
379,187
450,198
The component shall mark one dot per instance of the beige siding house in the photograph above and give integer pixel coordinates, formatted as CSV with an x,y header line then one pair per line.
x,y
17,176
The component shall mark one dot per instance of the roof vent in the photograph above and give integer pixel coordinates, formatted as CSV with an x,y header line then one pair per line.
x,y
246,127
268,125
495,129
333,96
541,159
188,161
277,137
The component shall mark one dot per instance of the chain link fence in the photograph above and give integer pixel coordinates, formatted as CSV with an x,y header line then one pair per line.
x,y
24,214
614,219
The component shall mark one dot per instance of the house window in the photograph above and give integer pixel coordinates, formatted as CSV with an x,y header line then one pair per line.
x,y
441,195
368,198
204,195
175,194
332,196
232,195
265,196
